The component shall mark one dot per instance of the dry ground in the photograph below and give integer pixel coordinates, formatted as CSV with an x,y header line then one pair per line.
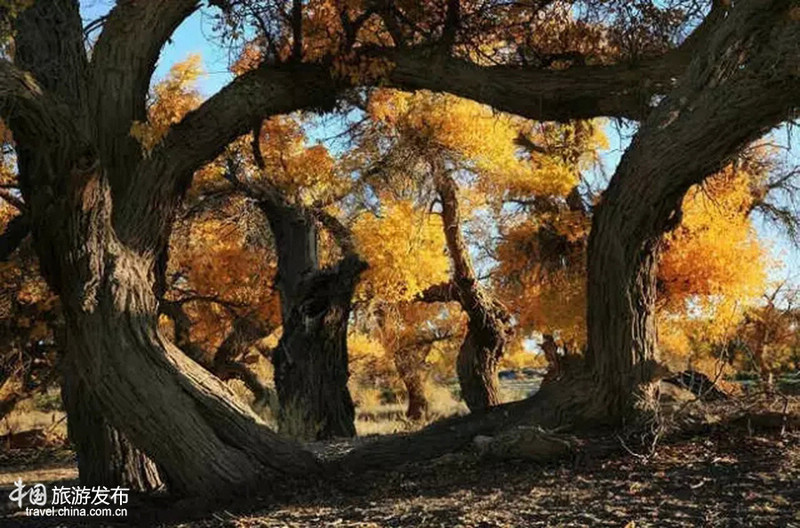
x,y
731,475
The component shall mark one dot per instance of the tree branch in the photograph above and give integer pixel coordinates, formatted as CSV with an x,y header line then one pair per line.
x,y
203,134
123,61
581,92
297,30
443,292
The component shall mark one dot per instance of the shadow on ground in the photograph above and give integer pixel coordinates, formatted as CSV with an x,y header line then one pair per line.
x,y
731,476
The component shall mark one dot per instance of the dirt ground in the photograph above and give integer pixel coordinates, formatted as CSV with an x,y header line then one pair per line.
x,y
730,476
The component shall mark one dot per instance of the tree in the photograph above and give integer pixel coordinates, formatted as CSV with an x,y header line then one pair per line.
x,y
711,267
292,183
447,140
74,141
71,117
405,249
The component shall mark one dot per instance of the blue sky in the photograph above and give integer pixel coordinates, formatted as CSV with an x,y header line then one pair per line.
x,y
195,35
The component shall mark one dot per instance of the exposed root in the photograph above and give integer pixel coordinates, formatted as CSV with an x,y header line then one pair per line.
x,y
528,443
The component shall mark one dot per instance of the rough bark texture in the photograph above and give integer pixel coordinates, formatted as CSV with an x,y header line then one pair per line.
x,y
225,363
744,82
187,422
489,323
296,241
311,364
105,456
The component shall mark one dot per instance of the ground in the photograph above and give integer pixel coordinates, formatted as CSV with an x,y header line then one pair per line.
x,y
730,475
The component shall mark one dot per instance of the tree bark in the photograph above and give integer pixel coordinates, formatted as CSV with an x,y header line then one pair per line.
x,y
296,241
213,444
311,363
488,328
744,82
105,456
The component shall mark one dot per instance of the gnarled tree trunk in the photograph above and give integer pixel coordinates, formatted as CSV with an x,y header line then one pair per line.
x,y
311,362
202,440
744,82
488,328
105,456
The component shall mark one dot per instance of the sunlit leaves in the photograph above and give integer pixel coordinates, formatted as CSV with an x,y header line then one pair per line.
x,y
173,98
405,249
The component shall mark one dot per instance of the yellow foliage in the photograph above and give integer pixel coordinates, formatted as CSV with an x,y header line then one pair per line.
x,y
715,250
712,267
474,136
303,173
173,98
405,250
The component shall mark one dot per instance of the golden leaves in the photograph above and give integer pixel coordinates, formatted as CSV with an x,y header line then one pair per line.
x,y
405,250
173,98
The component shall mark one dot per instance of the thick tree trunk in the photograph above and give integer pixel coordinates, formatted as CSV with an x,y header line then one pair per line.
x,y
417,400
476,366
213,443
744,81
622,295
105,456
188,422
296,242
311,364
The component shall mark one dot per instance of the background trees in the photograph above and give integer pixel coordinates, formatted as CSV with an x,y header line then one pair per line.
x,y
106,179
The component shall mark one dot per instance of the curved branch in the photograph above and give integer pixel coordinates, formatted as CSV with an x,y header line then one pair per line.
x,y
123,61
443,292
581,92
203,134
744,82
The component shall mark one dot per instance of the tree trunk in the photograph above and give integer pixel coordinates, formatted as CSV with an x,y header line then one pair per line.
x,y
476,366
622,295
410,365
417,400
296,242
743,81
311,363
105,456
488,328
189,423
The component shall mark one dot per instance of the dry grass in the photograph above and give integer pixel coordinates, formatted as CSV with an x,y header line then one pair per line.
x,y
374,417
20,420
